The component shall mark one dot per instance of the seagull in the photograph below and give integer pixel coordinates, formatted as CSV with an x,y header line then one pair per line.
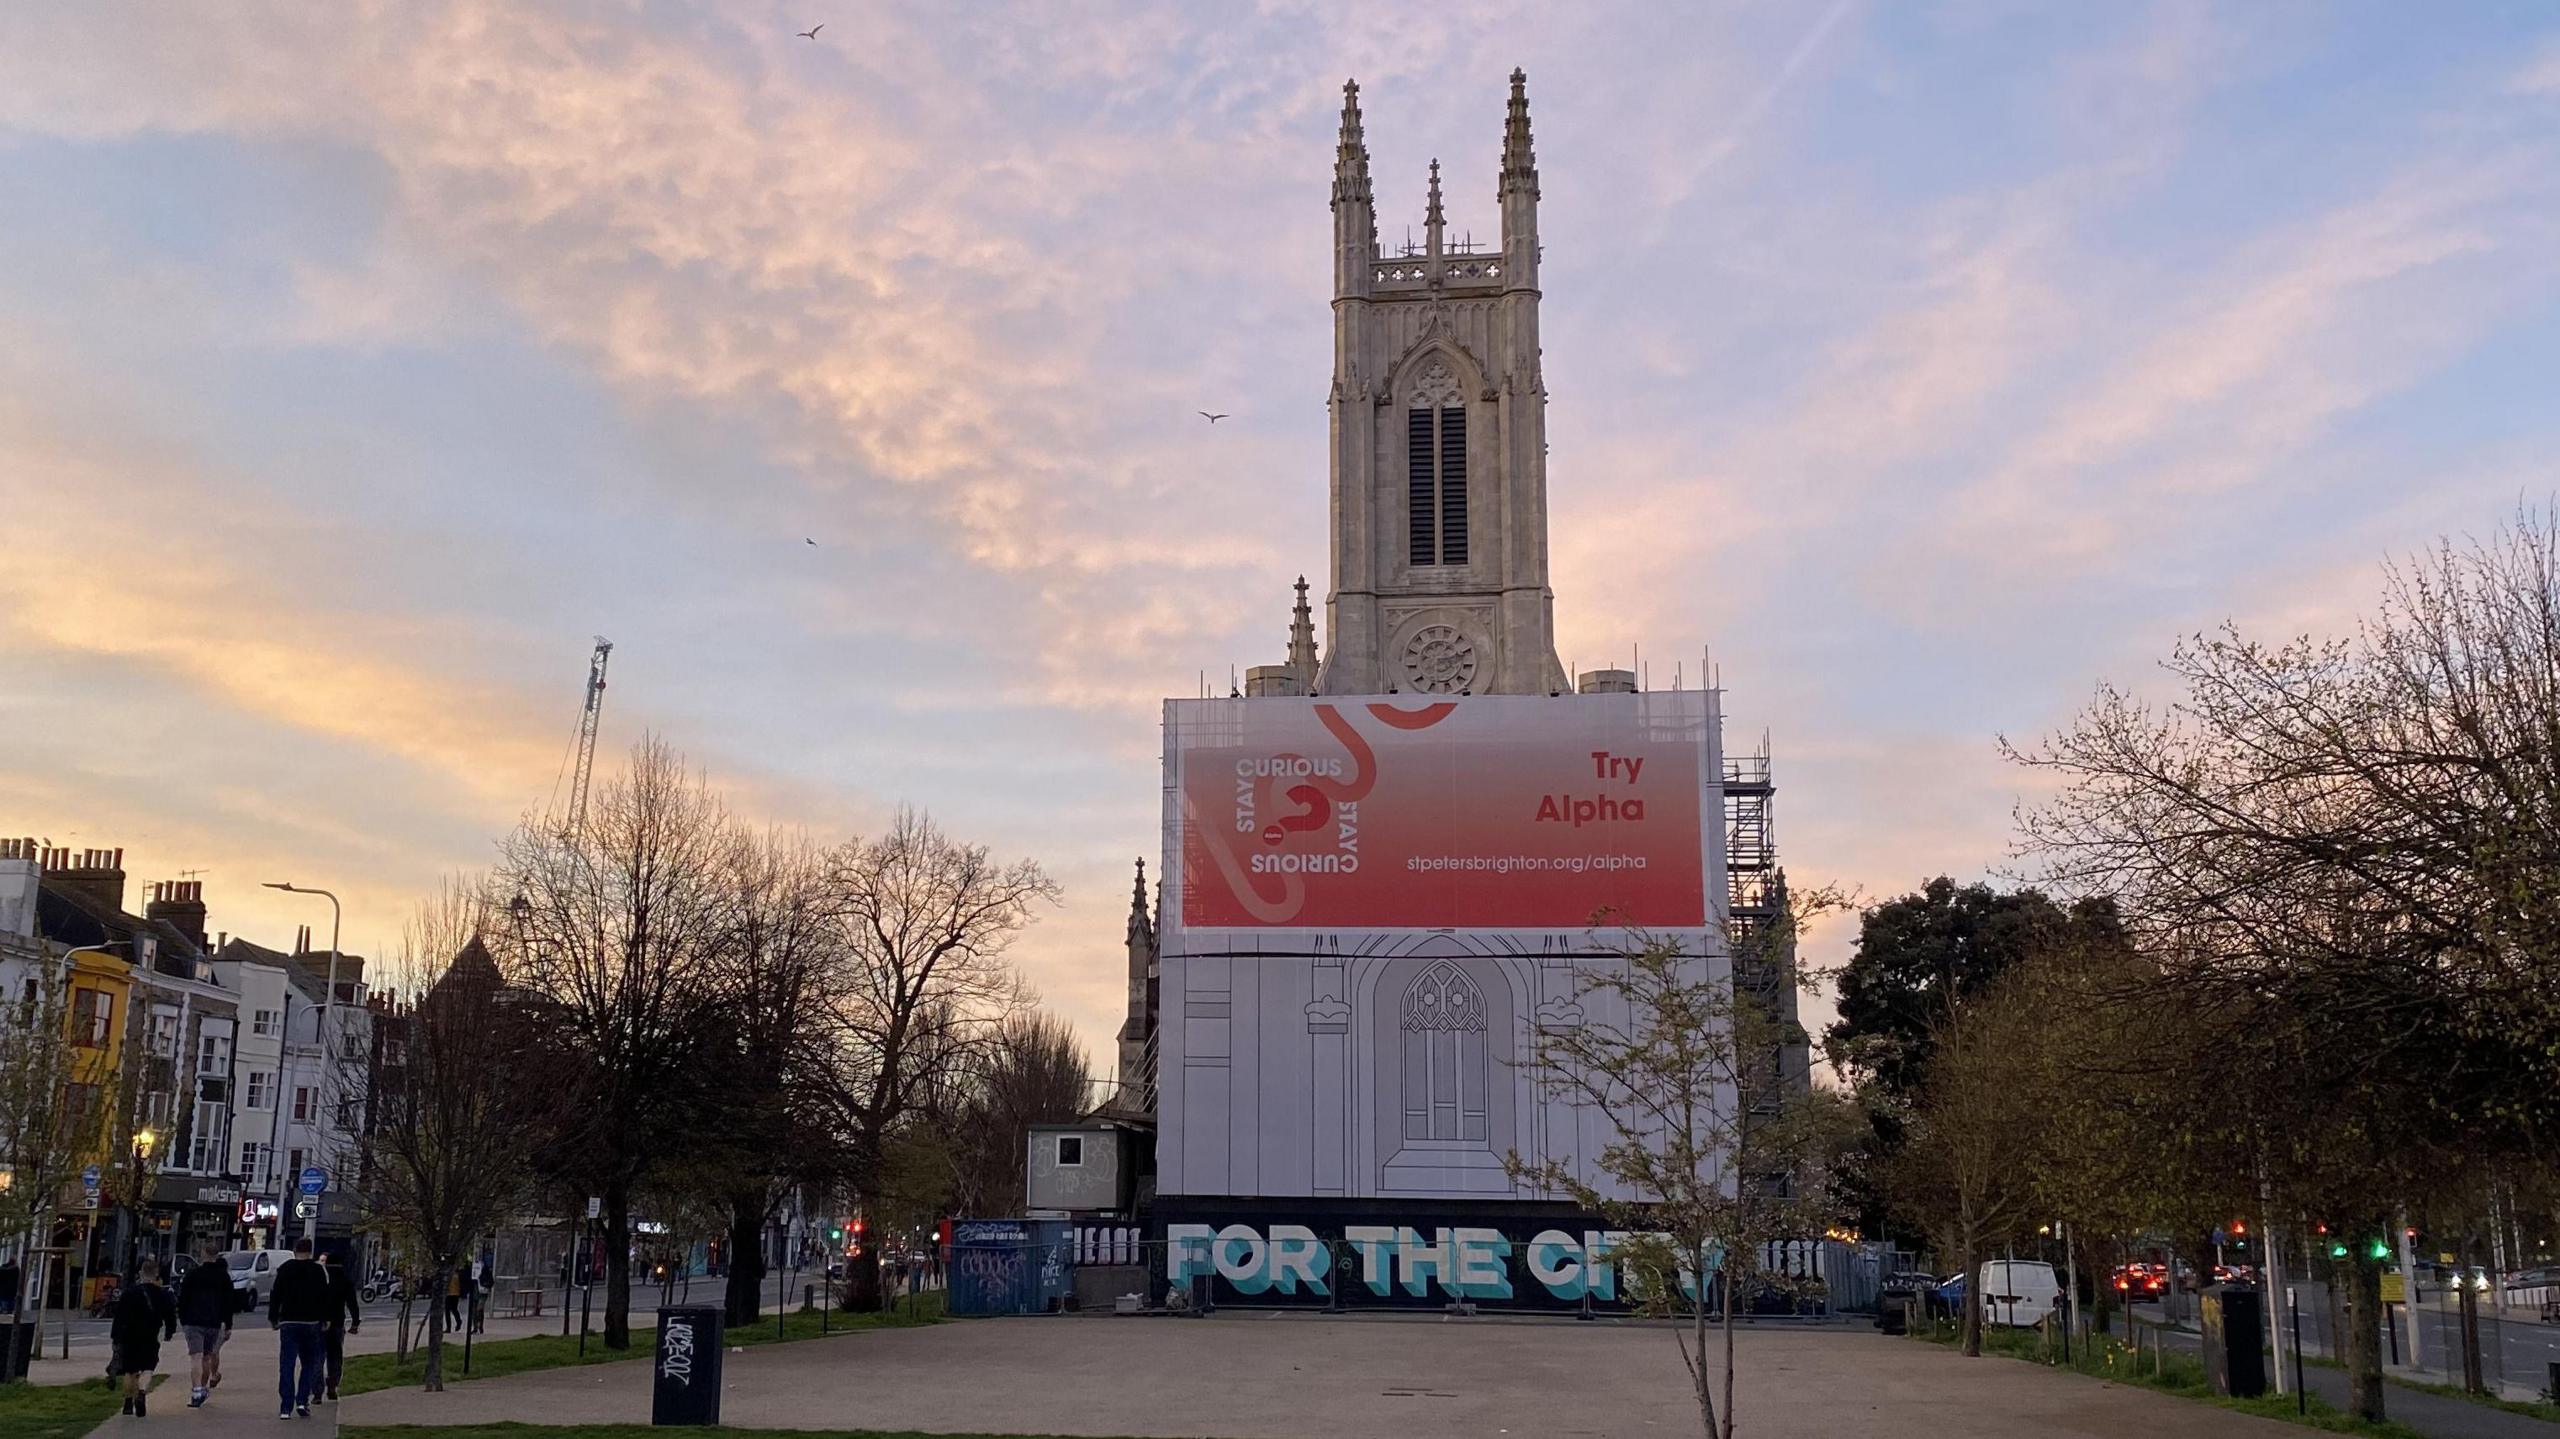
x,y
812,32
807,541
1212,419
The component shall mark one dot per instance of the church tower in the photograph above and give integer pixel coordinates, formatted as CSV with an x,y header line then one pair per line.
x,y
1439,448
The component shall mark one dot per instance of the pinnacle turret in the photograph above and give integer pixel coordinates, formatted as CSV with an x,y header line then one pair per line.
x,y
1351,153
1433,221
1519,161
1302,638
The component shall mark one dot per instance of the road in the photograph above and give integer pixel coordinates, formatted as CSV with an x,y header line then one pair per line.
x,y
2513,1349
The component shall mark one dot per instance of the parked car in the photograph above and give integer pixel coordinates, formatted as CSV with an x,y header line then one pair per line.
x,y
2542,1277
2138,1281
2019,1293
253,1274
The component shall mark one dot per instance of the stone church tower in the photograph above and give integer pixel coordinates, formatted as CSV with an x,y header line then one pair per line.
x,y
1439,446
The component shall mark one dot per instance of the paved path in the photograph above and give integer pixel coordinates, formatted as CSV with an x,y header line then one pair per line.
x,y
1290,1376
245,1404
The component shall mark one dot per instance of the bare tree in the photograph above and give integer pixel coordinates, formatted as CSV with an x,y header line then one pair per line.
x,y
2355,843
620,933
1032,1072
925,921
46,1132
779,968
1720,1149
452,1104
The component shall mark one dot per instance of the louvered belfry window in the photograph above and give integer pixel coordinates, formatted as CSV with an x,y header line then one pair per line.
x,y
1436,484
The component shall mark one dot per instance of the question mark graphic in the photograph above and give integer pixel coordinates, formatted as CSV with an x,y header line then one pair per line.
x,y
1315,810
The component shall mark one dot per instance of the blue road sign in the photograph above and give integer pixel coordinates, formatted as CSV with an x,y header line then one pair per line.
x,y
314,1180
89,1177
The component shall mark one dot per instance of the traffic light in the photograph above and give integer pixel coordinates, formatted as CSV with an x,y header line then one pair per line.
x,y
2381,1249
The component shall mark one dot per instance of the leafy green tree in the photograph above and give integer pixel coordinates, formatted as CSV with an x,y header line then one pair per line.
x,y
1919,959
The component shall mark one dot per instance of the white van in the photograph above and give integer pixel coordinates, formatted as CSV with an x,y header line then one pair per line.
x,y
2018,1293
253,1273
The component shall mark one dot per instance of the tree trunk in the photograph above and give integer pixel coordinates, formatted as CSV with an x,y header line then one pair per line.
x,y
2472,1382
435,1331
2364,1333
862,1271
1728,1350
746,1257
1969,1323
1698,1374
617,1265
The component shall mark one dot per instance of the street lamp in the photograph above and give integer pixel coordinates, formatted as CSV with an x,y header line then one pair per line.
x,y
328,1001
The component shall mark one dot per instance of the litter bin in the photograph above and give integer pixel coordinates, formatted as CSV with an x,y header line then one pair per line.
x,y
2235,1336
686,1383
17,1347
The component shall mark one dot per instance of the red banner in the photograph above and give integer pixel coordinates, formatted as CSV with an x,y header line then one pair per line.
x,y
1474,813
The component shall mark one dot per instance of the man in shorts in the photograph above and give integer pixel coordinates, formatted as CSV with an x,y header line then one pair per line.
x,y
205,1304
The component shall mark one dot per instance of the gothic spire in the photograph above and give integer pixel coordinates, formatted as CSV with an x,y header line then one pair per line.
x,y
1519,163
1302,638
1351,154
1138,925
1433,222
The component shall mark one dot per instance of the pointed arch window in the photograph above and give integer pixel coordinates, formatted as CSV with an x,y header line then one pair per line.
x,y
1444,1057
1436,471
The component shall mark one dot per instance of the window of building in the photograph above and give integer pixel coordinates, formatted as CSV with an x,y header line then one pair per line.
x,y
1444,1057
1436,484
295,1161
351,1046
260,1094
204,1148
1070,1151
213,1053
92,1014
253,1164
306,1105
266,1024
80,1106
164,1033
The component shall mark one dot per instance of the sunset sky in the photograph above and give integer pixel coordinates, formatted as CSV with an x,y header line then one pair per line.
x,y
1930,362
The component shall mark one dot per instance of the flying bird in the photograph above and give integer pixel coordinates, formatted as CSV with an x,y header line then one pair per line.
x,y
812,32
805,540
1212,419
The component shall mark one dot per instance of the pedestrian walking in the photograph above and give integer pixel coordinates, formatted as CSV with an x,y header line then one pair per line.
x,y
206,1302
456,1279
297,1307
9,1282
484,1284
346,1316
144,1316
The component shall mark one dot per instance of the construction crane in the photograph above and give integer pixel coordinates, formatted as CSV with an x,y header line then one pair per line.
x,y
586,757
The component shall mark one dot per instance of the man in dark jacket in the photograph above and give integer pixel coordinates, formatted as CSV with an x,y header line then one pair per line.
x,y
346,1316
297,1307
143,1317
206,1301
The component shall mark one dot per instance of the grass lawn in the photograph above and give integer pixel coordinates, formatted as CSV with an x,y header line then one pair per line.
x,y
58,1411
2175,1373
366,1373
623,1432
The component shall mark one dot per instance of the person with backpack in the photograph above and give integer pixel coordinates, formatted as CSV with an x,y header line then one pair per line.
x,y
206,1302
346,1316
297,1307
144,1316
